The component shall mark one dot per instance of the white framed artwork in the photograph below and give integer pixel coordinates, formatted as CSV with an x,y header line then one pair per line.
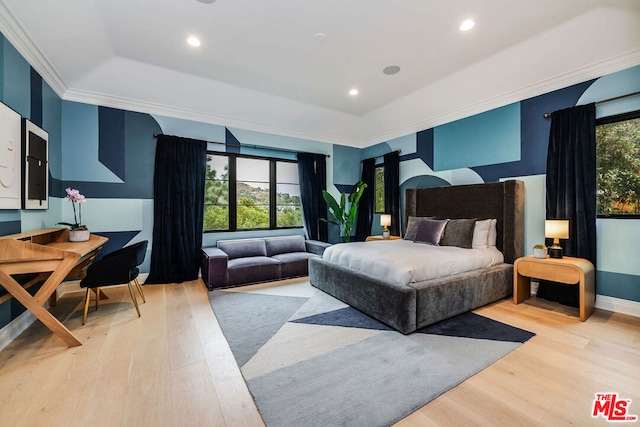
x,y
35,180
10,159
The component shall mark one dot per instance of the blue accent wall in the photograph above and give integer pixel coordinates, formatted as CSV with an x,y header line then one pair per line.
x,y
483,139
17,81
111,140
36,98
618,285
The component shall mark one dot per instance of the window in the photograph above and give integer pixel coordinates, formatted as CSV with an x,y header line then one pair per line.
x,y
288,205
216,193
618,165
379,189
252,193
248,193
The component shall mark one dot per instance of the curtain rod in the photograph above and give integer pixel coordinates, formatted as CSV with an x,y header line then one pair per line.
x,y
382,155
547,115
256,147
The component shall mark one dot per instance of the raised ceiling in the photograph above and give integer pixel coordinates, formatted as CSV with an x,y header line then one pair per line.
x,y
261,66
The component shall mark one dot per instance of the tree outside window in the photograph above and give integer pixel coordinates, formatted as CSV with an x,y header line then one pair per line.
x,y
216,193
244,193
618,165
379,189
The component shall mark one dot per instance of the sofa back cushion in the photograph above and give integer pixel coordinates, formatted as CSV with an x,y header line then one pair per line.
x,y
285,245
241,248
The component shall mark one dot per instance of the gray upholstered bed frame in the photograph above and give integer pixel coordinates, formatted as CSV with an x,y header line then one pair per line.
x,y
410,307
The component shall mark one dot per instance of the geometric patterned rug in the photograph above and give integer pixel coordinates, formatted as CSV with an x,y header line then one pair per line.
x,y
310,360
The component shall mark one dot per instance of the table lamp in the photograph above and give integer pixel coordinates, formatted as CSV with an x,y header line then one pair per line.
x,y
385,222
556,229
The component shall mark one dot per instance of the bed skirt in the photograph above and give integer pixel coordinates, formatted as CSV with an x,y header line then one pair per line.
x,y
416,305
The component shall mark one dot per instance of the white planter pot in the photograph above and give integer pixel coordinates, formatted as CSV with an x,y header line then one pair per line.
x,y
539,252
78,235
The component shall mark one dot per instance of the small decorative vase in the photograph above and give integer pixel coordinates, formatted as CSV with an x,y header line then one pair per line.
x,y
78,235
540,253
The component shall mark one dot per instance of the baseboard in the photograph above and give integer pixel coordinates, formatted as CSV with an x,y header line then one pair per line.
x,y
15,328
618,305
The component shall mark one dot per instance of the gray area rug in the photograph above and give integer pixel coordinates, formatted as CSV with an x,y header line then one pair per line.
x,y
310,360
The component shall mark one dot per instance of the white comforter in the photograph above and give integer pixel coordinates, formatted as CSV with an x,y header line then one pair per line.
x,y
403,261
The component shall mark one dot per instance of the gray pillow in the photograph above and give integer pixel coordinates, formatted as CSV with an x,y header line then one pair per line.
x,y
412,226
459,232
430,231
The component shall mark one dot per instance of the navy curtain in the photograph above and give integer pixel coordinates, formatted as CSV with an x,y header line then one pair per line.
x,y
178,209
312,174
571,189
392,190
367,201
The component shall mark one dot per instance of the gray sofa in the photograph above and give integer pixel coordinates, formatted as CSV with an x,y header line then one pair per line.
x,y
243,261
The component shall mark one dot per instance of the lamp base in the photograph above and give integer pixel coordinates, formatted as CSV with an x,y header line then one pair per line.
x,y
555,252
386,234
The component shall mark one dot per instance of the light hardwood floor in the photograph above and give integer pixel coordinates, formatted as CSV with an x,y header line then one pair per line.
x,y
172,367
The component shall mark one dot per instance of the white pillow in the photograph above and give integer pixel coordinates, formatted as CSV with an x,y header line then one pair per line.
x,y
493,234
481,234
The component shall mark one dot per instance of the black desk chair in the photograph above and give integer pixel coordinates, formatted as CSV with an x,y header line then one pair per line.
x,y
115,268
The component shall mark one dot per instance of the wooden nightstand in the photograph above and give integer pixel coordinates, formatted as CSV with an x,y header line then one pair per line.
x,y
564,270
372,238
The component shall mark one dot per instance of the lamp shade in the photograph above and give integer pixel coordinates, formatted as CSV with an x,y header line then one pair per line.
x,y
556,228
385,220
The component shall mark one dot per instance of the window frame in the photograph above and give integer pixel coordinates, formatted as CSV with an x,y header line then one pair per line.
x,y
233,200
608,120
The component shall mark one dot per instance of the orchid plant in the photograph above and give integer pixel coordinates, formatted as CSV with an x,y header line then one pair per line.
x,y
75,197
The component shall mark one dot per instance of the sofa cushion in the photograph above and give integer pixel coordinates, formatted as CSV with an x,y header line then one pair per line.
x,y
242,248
285,244
251,261
252,270
294,264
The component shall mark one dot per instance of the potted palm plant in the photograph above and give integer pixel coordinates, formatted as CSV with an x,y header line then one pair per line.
x,y
344,213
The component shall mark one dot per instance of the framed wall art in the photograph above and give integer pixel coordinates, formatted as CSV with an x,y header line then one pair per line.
x,y
35,179
10,159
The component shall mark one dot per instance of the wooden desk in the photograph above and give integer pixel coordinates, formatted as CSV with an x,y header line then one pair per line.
x,y
564,270
50,253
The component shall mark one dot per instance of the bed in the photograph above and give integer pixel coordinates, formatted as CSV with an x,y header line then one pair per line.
x,y
410,306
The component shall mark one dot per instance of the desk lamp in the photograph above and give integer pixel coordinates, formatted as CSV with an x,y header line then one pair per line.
x,y
556,229
385,222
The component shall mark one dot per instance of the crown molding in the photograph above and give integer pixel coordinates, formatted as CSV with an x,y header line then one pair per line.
x,y
560,81
13,31
88,97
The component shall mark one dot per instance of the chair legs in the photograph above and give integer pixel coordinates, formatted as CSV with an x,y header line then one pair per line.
x,y
86,306
97,292
133,297
140,289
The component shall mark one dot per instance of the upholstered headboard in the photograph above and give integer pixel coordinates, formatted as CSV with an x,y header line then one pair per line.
x,y
501,200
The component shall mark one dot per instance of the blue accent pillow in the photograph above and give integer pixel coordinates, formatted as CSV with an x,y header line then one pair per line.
x,y
430,231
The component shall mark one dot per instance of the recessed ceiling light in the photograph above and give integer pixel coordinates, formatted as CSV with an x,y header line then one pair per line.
x,y
467,25
320,37
206,1
391,70
193,41
353,92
